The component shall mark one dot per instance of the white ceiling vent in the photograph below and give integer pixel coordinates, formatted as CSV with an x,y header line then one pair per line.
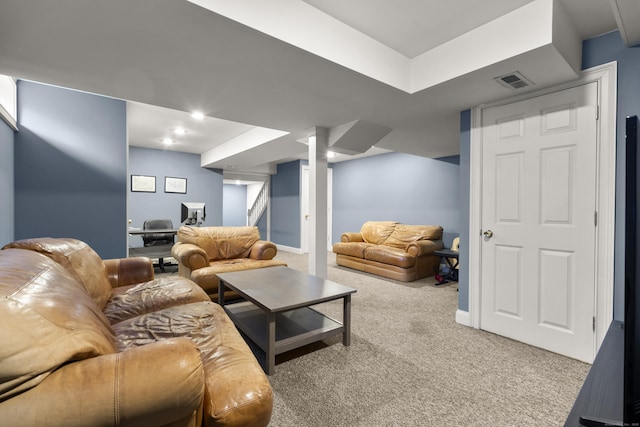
x,y
514,80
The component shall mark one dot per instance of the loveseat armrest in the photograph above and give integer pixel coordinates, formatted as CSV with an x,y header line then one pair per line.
x,y
190,256
424,247
154,384
263,249
351,236
129,271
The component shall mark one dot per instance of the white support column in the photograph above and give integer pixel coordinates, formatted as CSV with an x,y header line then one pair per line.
x,y
318,145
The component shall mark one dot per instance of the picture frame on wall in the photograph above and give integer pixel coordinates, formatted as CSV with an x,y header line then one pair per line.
x,y
175,185
143,183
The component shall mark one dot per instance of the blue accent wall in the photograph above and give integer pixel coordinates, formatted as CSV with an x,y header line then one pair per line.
x,y
70,167
203,185
7,140
234,205
285,205
396,187
465,191
262,226
597,51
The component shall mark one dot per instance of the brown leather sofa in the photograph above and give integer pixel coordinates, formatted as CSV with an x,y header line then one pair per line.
x,y
393,250
204,252
87,342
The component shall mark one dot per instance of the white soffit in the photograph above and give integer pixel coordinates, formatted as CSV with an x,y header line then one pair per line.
x,y
627,13
252,139
304,26
297,23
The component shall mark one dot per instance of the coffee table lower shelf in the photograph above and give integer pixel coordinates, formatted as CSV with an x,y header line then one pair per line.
x,y
293,329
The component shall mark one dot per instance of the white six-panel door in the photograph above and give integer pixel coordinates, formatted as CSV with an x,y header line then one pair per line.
x,y
538,221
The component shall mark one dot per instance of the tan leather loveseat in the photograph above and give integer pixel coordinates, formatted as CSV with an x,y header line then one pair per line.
x,y
390,249
204,252
87,342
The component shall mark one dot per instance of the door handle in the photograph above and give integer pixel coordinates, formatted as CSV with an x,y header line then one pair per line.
x,y
488,234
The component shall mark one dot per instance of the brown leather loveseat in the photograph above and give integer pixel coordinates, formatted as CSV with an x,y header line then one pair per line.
x,y
87,342
393,250
204,252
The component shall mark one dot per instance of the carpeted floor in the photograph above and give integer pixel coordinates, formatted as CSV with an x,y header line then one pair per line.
x,y
411,364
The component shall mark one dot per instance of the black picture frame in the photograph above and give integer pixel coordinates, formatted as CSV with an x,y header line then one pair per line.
x,y
174,184
143,184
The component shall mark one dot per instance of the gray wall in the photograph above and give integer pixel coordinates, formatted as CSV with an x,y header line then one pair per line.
x,y
7,138
70,167
234,205
597,51
285,205
396,187
203,185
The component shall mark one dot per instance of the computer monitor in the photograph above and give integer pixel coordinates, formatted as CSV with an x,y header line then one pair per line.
x,y
192,213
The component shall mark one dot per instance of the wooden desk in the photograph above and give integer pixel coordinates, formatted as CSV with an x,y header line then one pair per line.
x,y
140,231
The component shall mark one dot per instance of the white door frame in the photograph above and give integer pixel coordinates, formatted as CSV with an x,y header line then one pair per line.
x,y
606,77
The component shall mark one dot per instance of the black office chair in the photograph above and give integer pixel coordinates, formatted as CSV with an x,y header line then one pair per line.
x,y
158,239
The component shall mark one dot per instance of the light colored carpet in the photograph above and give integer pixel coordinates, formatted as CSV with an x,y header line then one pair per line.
x,y
411,364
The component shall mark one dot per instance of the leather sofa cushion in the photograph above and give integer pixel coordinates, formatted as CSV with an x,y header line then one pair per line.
x,y
48,319
207,277
355,249
80,260
404,234
221,242
390,255
131,301
236,386
377,232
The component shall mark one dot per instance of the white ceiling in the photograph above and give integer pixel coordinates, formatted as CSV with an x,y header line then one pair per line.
x,y
276,69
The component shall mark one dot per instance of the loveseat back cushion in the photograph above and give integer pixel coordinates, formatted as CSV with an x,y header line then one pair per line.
x,y
47,318
221,242
404,234
78,258
377,232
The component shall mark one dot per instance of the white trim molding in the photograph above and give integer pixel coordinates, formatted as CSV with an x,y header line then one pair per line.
x,y
462,317
290,249
606,77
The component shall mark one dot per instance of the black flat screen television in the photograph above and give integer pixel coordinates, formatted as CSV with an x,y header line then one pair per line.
x,y
631,408
631,365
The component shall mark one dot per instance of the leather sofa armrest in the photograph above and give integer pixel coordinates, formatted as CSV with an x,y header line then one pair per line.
x,y
424,247
350,236
129,271
154,384
190,256
263,249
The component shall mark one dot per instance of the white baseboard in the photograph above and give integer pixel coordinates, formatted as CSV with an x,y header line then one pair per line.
x,y
290,249
462,317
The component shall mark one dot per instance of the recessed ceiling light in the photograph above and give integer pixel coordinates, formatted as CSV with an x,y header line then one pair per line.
x,y
179,131
167,141
330,154
197,115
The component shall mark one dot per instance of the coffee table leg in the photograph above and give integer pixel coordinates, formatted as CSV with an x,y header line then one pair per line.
x,y
271,345
346,321
221,292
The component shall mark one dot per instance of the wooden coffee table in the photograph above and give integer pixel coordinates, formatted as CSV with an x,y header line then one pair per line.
x,y
276,313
